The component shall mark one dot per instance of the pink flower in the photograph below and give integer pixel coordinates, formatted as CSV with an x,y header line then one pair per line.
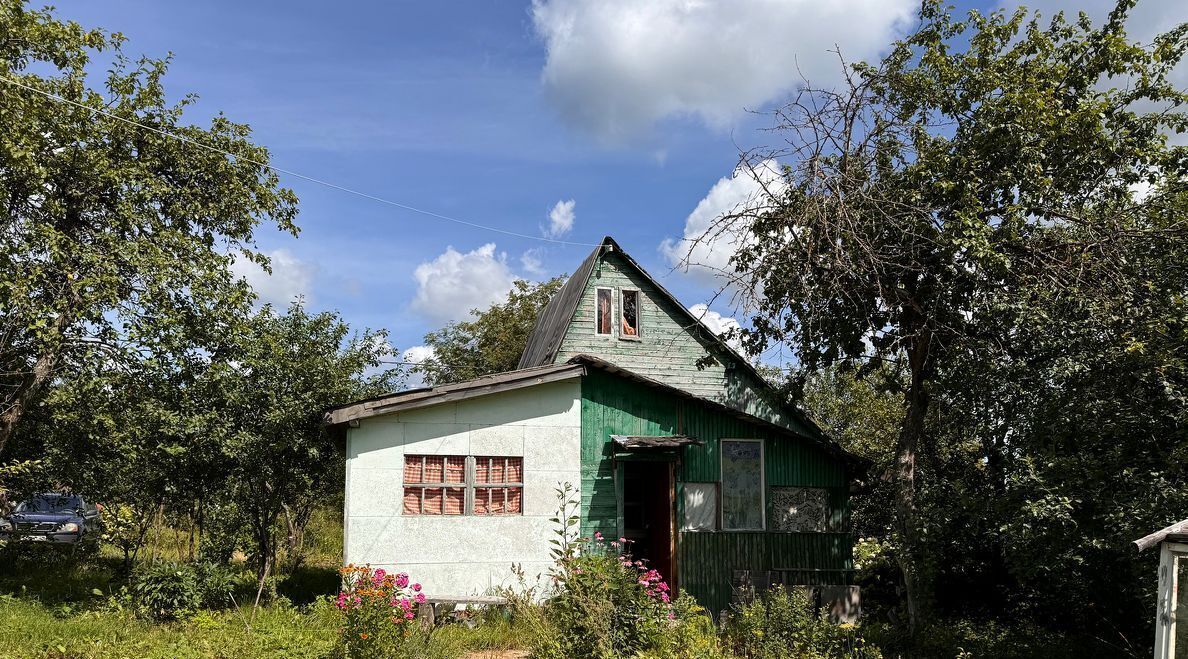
x,y
643,582
401,580
416,588
410,615
379,574
623,540
420,598
406,604
664,597
597,535
671,615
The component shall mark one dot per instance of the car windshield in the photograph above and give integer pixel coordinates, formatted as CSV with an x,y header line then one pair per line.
x,y
49,503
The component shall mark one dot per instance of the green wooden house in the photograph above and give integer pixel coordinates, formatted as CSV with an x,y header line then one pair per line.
x,y
673,440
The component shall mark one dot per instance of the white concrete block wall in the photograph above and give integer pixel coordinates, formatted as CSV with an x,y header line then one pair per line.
x,y
459,556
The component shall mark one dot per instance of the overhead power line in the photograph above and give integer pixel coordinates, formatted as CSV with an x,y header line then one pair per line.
x,y
15,82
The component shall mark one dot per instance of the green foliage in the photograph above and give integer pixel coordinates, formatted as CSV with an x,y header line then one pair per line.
x,y
29,630
493,341
379,614
602,603
272,390
994,212
124,527
117,241
689,634
781,624
166,591
173,591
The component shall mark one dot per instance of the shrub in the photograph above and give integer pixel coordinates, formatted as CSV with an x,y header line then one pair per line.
x,y
378,611
172,591
167,591
690,634
124,527
605,603
781,624
216,583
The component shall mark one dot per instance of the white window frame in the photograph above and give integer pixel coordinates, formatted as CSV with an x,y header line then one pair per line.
x,y
762,486
613,316
638,314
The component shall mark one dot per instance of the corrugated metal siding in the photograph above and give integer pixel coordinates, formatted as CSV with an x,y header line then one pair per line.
x,y
707,560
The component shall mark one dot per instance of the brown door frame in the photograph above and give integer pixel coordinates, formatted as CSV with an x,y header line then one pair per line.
x,y
670,472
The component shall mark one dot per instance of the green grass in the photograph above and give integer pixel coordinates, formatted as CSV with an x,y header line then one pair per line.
x,y
31,629
58,602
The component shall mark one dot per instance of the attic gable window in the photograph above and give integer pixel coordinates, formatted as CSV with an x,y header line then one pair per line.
x,y
604,311
629,322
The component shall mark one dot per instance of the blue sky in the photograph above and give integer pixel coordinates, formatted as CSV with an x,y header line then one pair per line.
x,y
494,112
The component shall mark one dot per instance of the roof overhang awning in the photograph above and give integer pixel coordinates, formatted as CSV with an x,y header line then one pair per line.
x,y
655,441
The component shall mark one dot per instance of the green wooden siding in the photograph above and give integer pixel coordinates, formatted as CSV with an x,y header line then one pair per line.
x,y
669,347
707,560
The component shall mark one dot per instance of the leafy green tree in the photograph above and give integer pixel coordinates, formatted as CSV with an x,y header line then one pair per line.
x,y
274,389
984,171
115,240
490,343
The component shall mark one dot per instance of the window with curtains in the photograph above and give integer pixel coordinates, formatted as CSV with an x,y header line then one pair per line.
x,y
498,485
463,485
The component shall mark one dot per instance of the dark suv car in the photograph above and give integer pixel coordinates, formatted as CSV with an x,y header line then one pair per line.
x,y
50,517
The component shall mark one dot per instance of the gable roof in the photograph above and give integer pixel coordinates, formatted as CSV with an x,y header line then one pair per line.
x,y
529,377
549,331
553,321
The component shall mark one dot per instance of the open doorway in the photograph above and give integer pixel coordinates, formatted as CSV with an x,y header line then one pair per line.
x,y
649,514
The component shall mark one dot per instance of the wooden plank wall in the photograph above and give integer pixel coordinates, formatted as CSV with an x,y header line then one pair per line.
x,y
707,560
669,348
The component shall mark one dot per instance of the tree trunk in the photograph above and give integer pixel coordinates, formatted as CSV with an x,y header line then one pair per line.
x,y
43,369
30,384
907,523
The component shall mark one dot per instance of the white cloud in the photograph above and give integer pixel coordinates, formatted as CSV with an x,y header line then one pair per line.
x,y
705,248
452,284
290,278
719,325
616,66
418,354
531,263
561,219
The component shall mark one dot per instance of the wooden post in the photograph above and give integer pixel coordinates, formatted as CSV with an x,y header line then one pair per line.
x,y
1170,554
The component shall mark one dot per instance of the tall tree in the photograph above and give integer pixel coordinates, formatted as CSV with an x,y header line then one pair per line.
x,y
273,390
115,239
490,343
941,198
